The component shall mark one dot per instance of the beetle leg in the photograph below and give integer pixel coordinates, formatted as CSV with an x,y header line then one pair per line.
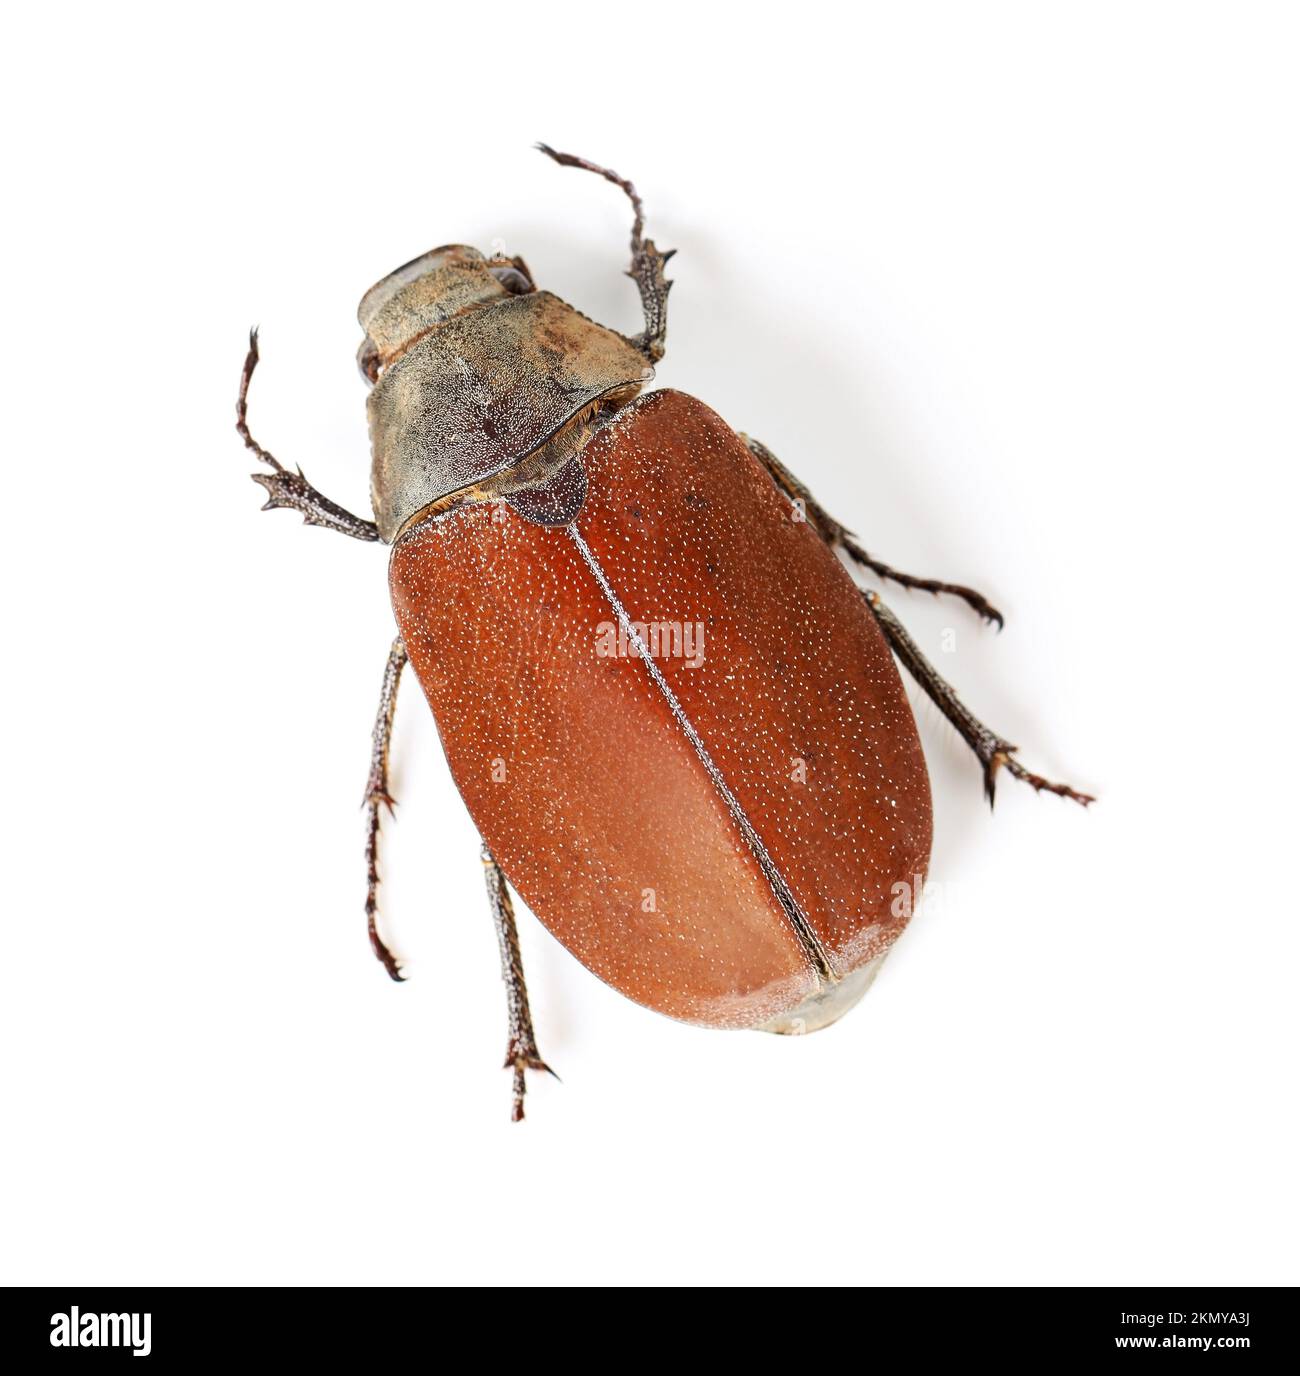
x,y
838,537
521,1049
648,263
990,749
287,489
377,797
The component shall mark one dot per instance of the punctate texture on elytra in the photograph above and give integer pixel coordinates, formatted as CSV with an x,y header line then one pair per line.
x,y
579,775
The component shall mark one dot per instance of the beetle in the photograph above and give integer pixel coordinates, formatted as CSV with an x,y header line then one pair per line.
x,y
674,716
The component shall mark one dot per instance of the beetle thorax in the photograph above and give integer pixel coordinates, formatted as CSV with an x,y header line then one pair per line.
x,y
483,386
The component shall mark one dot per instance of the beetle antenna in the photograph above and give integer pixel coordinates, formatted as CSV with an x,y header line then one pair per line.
x,y
291,490
241,406
572,160
648,262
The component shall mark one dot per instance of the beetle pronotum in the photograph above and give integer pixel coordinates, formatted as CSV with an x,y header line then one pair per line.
x,y
542,507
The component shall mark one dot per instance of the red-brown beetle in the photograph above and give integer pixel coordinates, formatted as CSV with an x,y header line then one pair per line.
x,y
585,574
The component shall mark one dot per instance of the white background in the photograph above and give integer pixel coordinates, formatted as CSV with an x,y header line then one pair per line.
x,y
1013,287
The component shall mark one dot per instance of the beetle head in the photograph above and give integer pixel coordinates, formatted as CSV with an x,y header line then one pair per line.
x,y
429,289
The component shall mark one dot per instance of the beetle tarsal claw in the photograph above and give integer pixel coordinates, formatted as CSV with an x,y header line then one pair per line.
x,y
519,1062
378,796
999,757
387,959
523,1061
976,601
1042,785
283,489
1003,756
294,492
